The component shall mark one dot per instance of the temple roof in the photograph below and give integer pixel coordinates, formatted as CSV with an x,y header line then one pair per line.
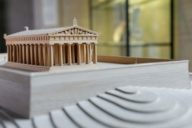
x,y
47,31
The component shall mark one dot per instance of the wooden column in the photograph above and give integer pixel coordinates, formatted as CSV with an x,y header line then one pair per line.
x,y
18,57
78,53
19,50
90,53
64,53
12,53
23,53
12,50
16,50
87,53
8,52
35,53
82,53
51,55
31,54
69,58
60,54
48,55
15,53
73,53
44,54
39,54
20,53
94,53
27,53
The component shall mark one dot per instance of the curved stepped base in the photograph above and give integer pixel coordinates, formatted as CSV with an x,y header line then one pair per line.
x,y
126,107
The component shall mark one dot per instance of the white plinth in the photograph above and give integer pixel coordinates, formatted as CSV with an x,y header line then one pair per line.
x,y
33,93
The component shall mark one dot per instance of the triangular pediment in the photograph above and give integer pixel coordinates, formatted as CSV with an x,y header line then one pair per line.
x,y
76,30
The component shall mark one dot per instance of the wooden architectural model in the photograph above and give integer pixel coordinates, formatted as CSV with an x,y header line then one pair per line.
x,y
53,47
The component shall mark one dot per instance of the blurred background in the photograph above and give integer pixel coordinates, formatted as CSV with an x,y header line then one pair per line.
x,y
141,28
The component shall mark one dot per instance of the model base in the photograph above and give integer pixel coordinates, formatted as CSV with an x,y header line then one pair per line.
x,y
32,93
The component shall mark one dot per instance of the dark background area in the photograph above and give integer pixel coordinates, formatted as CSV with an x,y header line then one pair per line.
x,y
2,25
14,15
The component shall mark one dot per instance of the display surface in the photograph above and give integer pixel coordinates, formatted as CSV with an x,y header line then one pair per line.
x,y
40,92
123,107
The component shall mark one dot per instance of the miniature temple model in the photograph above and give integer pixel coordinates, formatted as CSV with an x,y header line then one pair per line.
x,y
53,47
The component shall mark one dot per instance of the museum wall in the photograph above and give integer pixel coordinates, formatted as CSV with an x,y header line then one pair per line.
x,y
18,14
60,13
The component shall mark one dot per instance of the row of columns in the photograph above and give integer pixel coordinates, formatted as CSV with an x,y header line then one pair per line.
x,y
52,55
35,54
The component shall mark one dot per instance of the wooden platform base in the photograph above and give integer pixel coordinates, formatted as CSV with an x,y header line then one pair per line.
x,y
26,67
105,59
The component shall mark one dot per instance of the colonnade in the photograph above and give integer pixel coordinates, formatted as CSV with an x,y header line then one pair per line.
x,y
52,55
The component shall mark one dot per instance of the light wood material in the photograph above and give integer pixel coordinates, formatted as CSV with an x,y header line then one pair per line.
x,y
17,50
20,54
87,54
12,50
64,53
51,55
69,58
44,55
78,54
13,53
35,53
31,54
48,55
82,54
23,54
8,51
19,57
73,53
90,53
39,54
71,45
94,54
27,54
128,60
61,54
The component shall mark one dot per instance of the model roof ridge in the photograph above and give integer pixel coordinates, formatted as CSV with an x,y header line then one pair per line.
x,y
44,31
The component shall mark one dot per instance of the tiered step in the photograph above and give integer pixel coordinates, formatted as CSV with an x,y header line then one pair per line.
x,y
126,107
